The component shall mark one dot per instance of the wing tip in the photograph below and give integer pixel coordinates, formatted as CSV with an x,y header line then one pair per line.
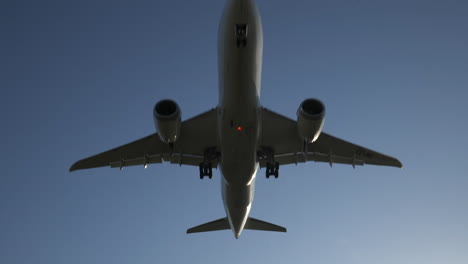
x,y
73,168
398,164
76,166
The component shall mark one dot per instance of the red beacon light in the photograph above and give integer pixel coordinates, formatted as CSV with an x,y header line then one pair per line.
x,y
240,128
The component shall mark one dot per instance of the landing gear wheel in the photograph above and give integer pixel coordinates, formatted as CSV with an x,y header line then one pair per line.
x,y
205,170
276,171
272,170
201,171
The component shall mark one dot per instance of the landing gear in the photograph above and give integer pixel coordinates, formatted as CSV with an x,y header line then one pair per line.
x,y
206,167
241,35
241,42
205,170
272,170
266,155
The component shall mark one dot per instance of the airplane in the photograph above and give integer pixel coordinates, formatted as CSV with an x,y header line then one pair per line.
x,y
239,135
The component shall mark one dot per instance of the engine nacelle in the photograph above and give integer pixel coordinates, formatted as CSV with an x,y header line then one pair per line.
x,y
167,120
310,119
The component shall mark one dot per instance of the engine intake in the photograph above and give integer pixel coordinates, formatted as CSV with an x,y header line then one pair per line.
x,y
310,119
167,120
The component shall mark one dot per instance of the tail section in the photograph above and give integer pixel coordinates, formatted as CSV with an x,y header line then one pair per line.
x,y
255,224
220,224
223,224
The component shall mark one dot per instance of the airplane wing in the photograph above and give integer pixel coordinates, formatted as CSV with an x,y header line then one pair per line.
x,y
280,137
197,136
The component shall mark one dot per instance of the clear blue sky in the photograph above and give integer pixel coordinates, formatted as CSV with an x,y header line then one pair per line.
x,y
80,77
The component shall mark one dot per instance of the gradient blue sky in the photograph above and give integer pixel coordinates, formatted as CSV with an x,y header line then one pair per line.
x,y
80,77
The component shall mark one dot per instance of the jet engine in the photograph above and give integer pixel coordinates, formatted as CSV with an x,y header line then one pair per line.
x,y
310,119
167,120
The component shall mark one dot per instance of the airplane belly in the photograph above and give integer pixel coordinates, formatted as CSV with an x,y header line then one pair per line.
x,y
240,48
240,63
239,69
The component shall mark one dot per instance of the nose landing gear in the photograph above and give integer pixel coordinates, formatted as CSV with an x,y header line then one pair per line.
x,y
241,35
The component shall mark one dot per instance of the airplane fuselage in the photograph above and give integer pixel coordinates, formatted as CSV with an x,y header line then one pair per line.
x,y
240,48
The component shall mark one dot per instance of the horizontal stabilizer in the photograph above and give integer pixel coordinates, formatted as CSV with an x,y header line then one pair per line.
x,y
223,224
255,224
220,224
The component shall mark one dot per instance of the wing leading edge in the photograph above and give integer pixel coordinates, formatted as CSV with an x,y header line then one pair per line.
x,y
198,135
279,134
